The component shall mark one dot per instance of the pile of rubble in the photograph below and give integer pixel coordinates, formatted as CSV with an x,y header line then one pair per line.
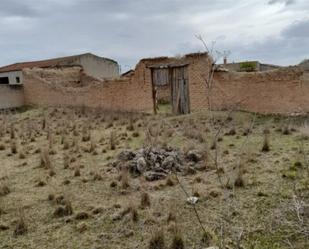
x,y
157,163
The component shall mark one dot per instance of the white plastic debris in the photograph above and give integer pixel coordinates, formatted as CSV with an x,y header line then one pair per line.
x,y
192,200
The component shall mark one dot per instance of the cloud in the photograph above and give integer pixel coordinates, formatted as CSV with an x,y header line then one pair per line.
x,y
128,30
299,29
16,8
286,2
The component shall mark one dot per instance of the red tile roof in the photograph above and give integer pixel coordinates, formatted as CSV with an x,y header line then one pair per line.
x,y
32,64
45,63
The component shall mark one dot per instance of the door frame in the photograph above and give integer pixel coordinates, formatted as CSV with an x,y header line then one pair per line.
x,y
171,68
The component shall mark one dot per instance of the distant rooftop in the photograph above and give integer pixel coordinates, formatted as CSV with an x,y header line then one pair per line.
x,y
43,63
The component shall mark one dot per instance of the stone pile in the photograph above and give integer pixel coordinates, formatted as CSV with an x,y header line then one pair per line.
x,y
156,163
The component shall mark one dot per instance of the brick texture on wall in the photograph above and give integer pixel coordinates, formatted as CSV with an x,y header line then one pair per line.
x,y
284,90
63,89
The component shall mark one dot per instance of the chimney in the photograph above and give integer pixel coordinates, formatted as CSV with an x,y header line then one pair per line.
x,y
225,60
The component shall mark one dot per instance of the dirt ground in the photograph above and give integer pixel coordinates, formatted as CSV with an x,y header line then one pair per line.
x,y
59,187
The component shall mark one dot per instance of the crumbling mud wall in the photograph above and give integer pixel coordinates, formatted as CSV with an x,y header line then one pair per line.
x,y
11,96
70,87
198,67
284,91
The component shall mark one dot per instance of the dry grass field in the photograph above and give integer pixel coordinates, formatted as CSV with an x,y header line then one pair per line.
x,y
64,185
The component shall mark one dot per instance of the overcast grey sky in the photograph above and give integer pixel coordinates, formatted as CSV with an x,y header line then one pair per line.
x,y
272,31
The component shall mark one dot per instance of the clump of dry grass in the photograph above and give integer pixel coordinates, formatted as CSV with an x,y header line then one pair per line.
x,y
21,226
66,161
145,200
177,240
286,130
77,172
157,241
239,181
97,177
65,209
82,216
135,134
2,147
4,189
13,147
113,184
12,131
112,140
130,127
45,159
169,181
304,130
207,238
85,134
66,144
266,146
124,178
92,145
134,214
21,154
231,132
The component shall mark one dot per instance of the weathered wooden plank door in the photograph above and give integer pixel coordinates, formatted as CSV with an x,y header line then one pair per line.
x,y
180,90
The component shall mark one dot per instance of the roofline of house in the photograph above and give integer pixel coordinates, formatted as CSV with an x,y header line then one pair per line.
x,y
3,70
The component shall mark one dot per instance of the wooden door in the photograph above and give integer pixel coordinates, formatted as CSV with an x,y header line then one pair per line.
x,y
180,90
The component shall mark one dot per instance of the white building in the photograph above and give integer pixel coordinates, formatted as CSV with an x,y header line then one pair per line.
x,y
95,66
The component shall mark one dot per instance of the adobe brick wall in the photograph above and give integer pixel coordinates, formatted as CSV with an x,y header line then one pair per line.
x,y
11,96
68,87
278,91
198,68
282,91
